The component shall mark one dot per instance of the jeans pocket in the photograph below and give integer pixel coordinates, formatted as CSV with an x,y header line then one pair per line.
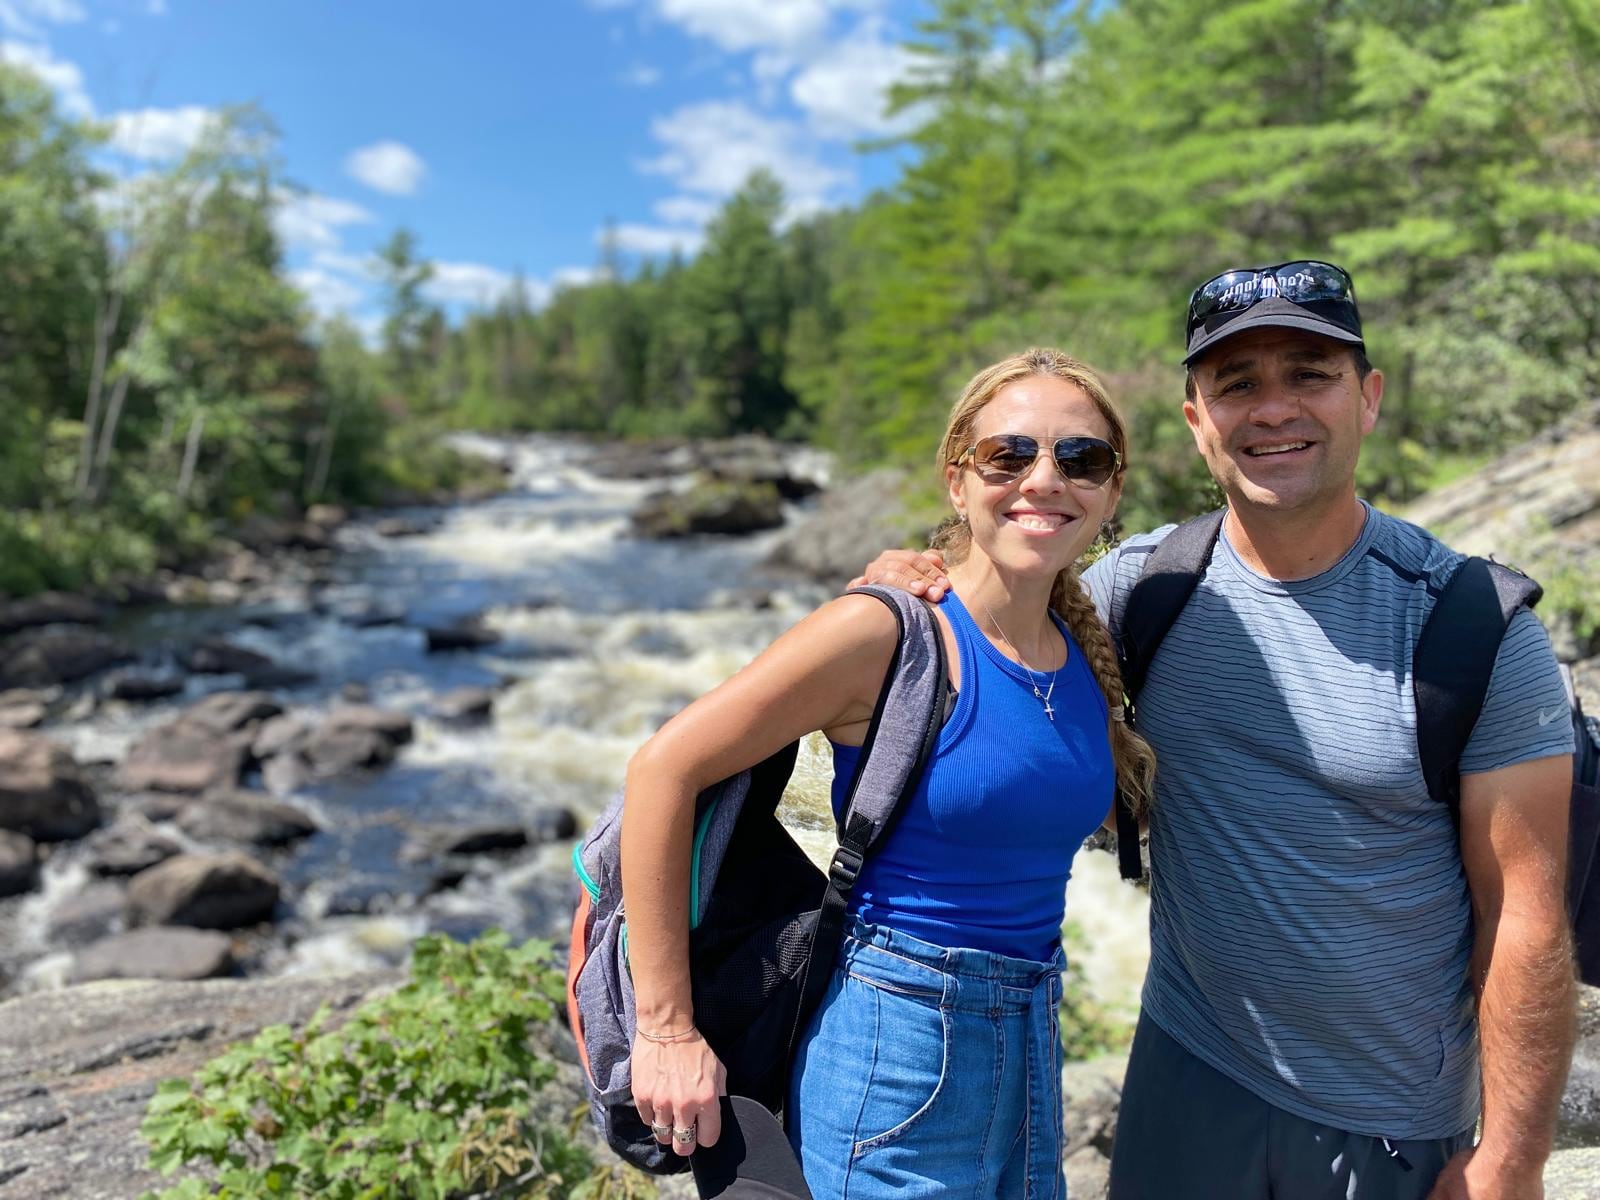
x,y
909,1062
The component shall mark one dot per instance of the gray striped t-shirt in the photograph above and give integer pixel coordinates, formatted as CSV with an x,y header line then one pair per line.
x,y
1310,922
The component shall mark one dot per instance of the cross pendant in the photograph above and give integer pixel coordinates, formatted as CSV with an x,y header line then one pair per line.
x,y
1048,711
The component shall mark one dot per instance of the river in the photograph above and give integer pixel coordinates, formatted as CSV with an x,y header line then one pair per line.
x,y
603,636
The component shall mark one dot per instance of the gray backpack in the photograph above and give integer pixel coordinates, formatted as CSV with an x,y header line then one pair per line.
x,y
765,923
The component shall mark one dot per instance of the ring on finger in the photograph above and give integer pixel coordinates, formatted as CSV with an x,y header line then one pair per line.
x,y
683,1136
660,1131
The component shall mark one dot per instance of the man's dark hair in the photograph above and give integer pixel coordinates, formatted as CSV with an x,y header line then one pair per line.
x,y
1358,355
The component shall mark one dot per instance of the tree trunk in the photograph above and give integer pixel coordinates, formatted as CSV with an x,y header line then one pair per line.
x,y
319,476
108,431
105,324
191,454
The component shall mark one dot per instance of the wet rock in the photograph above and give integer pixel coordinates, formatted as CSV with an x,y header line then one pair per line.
x,y
465,635
401,527
484,839
361,897
57,655
277,676
1091,1093
278,735
48,608
354,693
265,533
161,953
93,913
848,528
333,751
139,687
218,656
1580,1103
155,806
130,846
243,816
396,727
464,704
755,460
183,757
19,863
43,793
220,891
710,506
22,714
225,712
555,825
327,516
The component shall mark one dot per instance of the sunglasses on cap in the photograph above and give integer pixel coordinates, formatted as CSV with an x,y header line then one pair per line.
x,y
1320,286
1001,457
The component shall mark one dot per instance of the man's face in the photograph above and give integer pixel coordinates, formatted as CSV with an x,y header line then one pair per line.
x,y
1279,415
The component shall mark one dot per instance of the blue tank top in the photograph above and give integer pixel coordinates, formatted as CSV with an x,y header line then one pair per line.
x,y
981,854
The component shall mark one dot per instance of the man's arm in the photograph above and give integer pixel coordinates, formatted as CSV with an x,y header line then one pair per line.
x,y
1514,849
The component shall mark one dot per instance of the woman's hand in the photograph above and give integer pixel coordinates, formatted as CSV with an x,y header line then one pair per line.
x,y
920,574
676,1088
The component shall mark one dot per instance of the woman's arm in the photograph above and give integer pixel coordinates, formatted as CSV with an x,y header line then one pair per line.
x,y
825,673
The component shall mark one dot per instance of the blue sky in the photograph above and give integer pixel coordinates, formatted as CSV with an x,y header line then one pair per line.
x,y
505,133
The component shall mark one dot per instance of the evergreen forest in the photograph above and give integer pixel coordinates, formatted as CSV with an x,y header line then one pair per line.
x,y
1069,171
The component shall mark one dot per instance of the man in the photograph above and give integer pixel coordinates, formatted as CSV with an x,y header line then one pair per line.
x,y
1332,962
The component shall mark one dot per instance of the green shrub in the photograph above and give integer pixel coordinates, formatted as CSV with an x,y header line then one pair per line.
x,y
426,1093
1088,1027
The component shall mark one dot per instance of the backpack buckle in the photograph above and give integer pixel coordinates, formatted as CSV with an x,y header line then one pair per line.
x,y
844,868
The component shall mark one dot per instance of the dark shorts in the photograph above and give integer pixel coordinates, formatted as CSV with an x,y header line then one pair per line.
x,y
1186,1130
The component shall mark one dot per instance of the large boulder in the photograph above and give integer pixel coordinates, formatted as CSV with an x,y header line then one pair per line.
x,y
710,506
183,757
87,916
850,525
243,816
218,656
207,891
19,863
225,712
58,654
25,708
751,458
463,635
142,686
48,608
464,704
42,792
392,726
160,953
338,749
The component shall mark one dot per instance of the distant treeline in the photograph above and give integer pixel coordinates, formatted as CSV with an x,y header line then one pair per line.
x,y
1072,170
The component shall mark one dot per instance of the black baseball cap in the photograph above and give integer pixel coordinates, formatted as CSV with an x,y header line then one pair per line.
x,y
1307,294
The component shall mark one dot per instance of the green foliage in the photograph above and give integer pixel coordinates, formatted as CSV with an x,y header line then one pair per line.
x,y
1088,1028
424,1093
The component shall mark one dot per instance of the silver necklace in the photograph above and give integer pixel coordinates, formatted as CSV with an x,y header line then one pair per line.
x,y
1043,696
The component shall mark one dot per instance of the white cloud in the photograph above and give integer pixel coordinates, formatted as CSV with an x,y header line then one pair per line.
x,y
653,240
24,17
159,134
641,75
844,90
468,283
736,25
309,219
577,276
360,265
685,210
713,147
328,294
391,167
62,77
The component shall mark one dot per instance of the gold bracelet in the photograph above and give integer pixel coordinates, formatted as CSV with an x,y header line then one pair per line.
x,y
680,1035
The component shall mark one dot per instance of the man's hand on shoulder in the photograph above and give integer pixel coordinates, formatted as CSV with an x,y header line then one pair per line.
x,y
920,574
1470,1176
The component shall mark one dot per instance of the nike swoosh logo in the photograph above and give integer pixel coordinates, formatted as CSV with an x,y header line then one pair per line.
x,y
1546,717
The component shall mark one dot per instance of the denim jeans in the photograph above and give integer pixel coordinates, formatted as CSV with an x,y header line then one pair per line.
x,y
930,1072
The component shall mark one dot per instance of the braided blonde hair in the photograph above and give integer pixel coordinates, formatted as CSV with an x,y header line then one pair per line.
x,y
1135,760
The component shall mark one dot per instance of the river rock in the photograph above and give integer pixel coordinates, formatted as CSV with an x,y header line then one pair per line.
x,y
710,506
482,839
21,714
19,863
1580,1103
225,712
850,525
138,687
1091,1093
129,846
160,953
243,816
207,891
400,527
42,791
279,734
555,824
335,750
48,608
464,704
753,459
57,654
387,723
327,516
464,635
95,912
183,757
218,656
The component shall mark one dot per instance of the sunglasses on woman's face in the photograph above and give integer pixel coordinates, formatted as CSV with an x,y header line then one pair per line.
x,y
1001,457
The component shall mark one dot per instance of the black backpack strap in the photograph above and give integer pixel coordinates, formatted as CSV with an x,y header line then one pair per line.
x,y
893,757
1169,578
1453,661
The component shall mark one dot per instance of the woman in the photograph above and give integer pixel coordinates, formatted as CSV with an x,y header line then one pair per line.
x,y
932,1065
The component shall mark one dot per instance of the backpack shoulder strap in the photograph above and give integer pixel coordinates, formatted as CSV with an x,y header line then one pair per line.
x,y
905,725
1453,661
1170,575
1169,578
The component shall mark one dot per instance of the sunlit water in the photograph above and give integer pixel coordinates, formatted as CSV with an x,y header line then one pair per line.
x,y
603,637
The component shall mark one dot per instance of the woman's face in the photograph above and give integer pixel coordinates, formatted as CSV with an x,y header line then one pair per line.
x,y
1038,522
